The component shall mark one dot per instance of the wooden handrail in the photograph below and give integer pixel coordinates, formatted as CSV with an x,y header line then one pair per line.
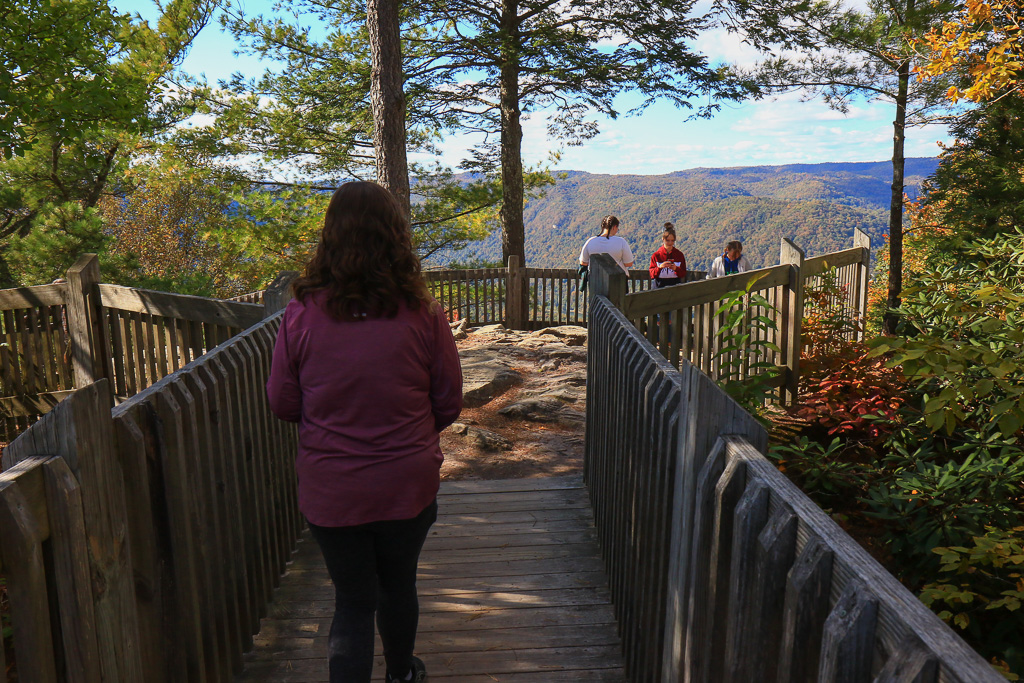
x,y
181,306
186,517
719,567
703,291
838,259
32,297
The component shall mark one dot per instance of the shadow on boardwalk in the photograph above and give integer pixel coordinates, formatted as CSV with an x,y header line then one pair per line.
x,y
512,589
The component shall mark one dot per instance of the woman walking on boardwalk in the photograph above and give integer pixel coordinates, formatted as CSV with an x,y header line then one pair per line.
x,y
608,243
366,364
668,265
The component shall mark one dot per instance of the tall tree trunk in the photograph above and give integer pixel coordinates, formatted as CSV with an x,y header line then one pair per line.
x,y
891,319
513,240
387,98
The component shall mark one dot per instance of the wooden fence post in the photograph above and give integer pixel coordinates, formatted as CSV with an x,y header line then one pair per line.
x,y
279,292
792,319
80,430
515,295
83,276
607,279
862,240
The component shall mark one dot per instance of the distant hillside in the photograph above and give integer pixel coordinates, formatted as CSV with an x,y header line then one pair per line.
x,y
815,205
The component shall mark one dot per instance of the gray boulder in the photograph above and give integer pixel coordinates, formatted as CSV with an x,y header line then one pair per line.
x,y
482,438
541,410
570,335
484,376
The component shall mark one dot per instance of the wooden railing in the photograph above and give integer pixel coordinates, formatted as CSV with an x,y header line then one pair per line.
x,y
250,297
551,296
720,569
35,354
687,321
152,532
54,338
850,271
476,295
148,335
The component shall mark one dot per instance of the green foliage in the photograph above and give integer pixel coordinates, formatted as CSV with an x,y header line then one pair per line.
x,y
978,188
60,234
819,468
89,93
950,433
968,354
980,590
929,501
840,51
61,72
311,122
741,356
170,220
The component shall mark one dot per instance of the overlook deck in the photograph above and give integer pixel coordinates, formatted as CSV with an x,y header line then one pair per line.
x,y
148,516
511,585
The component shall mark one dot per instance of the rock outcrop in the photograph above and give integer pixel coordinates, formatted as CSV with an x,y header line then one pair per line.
x,y
524,395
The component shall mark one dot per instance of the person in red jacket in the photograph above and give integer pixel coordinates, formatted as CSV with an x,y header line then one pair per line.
x,y
668,265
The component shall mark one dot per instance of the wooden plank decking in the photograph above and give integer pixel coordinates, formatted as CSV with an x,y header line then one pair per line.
x,y
512,589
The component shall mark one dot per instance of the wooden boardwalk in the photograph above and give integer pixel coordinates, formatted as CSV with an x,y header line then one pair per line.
x,y
512,589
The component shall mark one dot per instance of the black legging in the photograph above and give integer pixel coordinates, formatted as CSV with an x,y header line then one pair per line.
x,y
373,567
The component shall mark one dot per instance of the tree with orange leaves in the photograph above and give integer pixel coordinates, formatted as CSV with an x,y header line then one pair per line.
x,y
986,41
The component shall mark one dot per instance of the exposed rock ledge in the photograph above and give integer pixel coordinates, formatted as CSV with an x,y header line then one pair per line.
x,y
524,396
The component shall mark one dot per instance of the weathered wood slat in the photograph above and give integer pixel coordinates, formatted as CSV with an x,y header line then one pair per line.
x,y
742,659
206,526
83,277
181,306
706,291
261,560
804,612
899,611
21,548
68,543
79,430
818,264
33,297
312,646
185,555
485,665
230,472
776,549
848,642
256,401
136,434
36,404
910,662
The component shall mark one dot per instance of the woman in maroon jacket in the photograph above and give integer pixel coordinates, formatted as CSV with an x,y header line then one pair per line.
x,y
668,265
366,364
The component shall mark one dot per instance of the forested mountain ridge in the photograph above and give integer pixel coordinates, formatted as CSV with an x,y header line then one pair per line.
x,y
815,205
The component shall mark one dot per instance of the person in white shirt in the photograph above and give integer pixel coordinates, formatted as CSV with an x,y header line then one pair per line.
x,y
608,243
731,262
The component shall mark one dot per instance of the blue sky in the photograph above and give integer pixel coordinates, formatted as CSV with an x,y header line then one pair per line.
x,y
661,140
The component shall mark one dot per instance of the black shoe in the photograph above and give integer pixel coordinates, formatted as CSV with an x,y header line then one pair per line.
x,y
419,673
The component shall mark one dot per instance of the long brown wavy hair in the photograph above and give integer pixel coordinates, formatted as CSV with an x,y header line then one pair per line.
x,y
365,259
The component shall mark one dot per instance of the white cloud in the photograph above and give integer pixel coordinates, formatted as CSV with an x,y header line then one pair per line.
x,y
720,45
